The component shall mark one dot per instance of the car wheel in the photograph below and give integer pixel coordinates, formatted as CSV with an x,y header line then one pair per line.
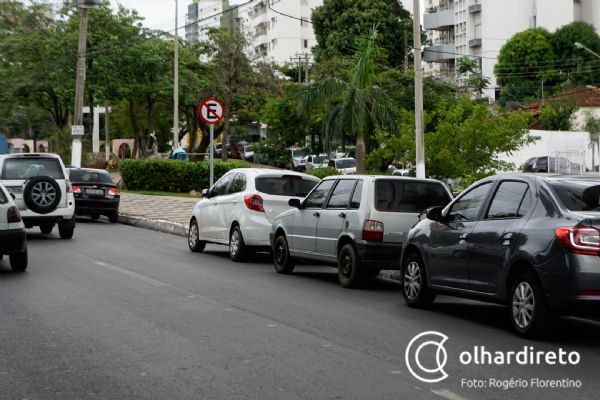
x,y
18,261
47,228
195,244
529,313
415,291
66,233
283,262
42,194
237,246
350,268
113,217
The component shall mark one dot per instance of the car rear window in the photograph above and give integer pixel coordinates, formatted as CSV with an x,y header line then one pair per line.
x,y
578,195
89,176
349,163
405,196
287,185
25,168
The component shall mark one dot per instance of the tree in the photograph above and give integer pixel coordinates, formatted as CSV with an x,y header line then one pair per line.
x,y
576,64
359,105
524,65
592,125
470,70
557,115
338,22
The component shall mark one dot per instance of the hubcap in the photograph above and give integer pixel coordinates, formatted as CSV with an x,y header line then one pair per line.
x,y
43,194
280,253
412,280
347,265
193,235
234,244
523,305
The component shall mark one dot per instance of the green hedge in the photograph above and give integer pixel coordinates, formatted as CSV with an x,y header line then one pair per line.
x,y
323,172
172,176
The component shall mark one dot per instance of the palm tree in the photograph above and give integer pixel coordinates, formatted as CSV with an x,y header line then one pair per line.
x,y
592,125
359,105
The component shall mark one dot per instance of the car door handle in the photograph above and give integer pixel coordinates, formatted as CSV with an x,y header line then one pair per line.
x,y
463,238
342,215
316,214
506,239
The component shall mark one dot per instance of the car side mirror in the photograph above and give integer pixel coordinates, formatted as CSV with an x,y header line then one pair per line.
x,y
434,214
206,193
295,203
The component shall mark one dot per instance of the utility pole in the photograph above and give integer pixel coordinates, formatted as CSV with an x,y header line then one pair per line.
x,y
420,145
302,59
77,129
106,130
176,80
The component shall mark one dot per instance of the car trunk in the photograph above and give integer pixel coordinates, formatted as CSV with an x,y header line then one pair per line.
x,y
93,190
275,205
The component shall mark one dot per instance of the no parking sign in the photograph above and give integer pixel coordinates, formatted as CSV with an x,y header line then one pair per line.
x,y
211,111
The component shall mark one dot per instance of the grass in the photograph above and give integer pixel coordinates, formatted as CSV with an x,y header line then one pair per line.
x,y
154,193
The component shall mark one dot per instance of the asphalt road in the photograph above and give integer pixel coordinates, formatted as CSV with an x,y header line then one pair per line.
x,y
123,313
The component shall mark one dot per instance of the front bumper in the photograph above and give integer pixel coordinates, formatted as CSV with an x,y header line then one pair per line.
x,y
12,241
379,253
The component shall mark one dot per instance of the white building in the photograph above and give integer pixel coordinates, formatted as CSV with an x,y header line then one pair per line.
x,y
201,15
479,28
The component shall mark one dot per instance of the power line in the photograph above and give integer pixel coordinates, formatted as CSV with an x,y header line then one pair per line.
x,y
290,16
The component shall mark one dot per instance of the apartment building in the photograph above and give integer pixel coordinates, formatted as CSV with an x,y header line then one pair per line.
x,y
479,28
201,15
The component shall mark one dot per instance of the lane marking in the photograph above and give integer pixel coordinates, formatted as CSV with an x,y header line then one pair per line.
x,y
131,274
447,394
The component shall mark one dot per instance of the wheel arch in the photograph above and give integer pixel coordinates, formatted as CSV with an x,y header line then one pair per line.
x,y
342,241
516,267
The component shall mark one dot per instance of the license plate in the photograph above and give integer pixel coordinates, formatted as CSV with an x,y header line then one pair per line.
x,y
95,192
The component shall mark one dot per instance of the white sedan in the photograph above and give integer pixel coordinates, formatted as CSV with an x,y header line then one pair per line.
x,y
240,207
12,232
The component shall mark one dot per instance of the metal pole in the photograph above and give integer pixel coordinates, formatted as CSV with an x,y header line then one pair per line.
x,y
79,85
307,68
212,158
106,130
176,80
420,145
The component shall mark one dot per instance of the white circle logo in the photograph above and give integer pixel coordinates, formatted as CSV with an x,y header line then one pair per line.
x,y
413,357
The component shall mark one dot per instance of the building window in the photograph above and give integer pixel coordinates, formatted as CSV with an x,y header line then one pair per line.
x,y
305,43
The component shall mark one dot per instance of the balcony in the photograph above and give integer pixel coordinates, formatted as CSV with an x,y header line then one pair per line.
x,y
475,42
439,52
475,8
439,19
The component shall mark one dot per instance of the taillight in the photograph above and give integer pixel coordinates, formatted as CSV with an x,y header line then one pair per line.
x,y
76,189
588,293
113,192
13,215
254,202
579,240
372,230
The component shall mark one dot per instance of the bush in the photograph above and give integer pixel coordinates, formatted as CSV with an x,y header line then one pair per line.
x,y
323,172
172,176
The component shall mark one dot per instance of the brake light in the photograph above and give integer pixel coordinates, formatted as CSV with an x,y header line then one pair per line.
x,y
579,240
588,293
372,230
113,192
76,189
13,215
254,202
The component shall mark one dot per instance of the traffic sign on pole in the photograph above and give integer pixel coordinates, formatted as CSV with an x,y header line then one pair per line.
x,y
211,111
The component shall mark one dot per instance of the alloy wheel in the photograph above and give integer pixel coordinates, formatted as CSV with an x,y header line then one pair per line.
x,y
234,243
280,252
193,235
412,280
43,194
347,265
523,304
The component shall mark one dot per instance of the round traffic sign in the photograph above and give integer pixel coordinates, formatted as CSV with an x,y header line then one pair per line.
x,y
211,111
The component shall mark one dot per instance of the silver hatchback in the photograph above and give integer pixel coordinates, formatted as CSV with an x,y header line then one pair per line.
x,y
357,223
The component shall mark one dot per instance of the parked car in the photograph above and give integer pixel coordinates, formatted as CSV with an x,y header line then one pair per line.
x,y
42,191
239,208
548,164
12,232
95,193
357,223
248,152
346,166
529,242
298,157
217,150
317,161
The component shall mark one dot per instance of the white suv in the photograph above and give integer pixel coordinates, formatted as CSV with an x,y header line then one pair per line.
x,y
42,191
12,233
239,208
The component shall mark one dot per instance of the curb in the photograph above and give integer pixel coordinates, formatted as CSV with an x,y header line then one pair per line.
x,y
158,225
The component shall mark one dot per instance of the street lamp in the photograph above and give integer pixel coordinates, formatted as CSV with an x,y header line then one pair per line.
x,y
77,127
176,80
580,46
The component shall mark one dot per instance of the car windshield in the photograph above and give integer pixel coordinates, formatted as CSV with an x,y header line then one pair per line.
x,y
25,168
287,185
319,159
248,148
347,163
578,195
89,176
298,152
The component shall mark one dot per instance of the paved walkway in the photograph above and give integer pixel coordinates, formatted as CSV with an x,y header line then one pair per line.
x,y
161,208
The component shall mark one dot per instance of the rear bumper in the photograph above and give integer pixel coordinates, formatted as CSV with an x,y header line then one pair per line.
x,y
84,206
12,241
379,254
256,229
38,221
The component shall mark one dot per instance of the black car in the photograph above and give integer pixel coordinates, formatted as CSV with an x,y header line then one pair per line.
x,y
95,193
529,242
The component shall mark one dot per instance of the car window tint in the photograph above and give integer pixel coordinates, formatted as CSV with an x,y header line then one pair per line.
x,y
578,195
25,168
340,197
406,196
287,185
318,196
238,184
468,206
507,200
221,186
76,175
525,204
357,196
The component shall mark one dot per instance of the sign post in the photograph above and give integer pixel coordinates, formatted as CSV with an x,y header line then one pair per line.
x,y
211,111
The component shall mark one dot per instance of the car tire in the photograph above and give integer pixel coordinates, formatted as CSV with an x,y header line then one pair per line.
x,y
47,228
529,312
237,247
282,260
194,243
351,272
42,194
413,277
18,261
113,217
66,232
94,217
